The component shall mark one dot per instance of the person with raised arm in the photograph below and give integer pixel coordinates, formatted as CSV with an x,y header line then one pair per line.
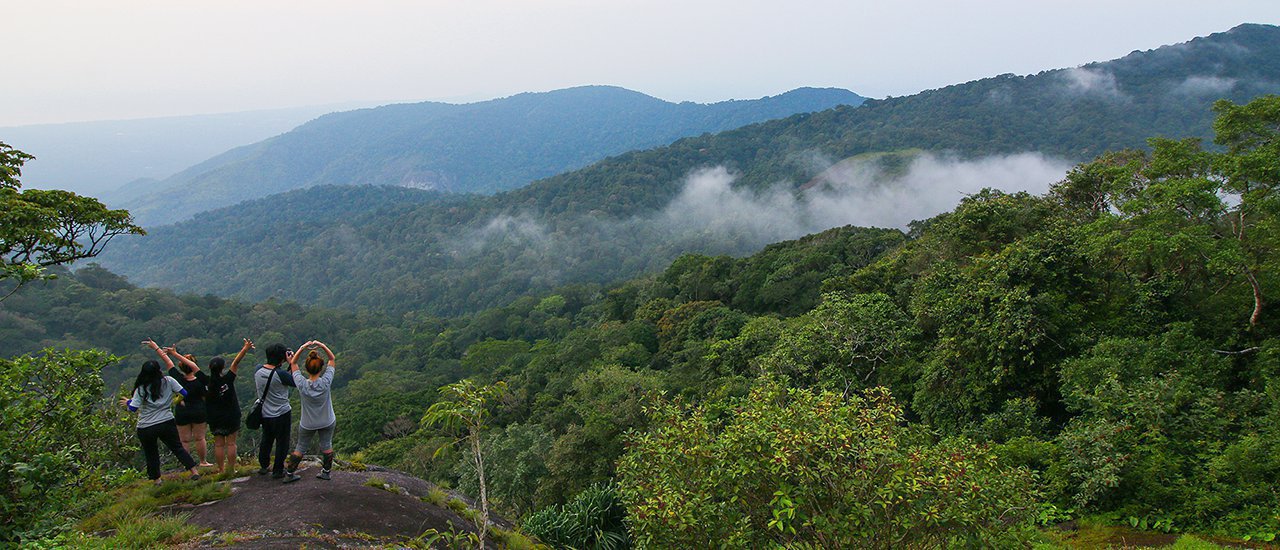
x,y
277,418
224,408
190,413
318,421
153,393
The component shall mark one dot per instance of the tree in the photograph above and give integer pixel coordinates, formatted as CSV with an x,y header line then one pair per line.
x,y
801,468
1250,169
1208,219
465,405
58,444
42,228
516,460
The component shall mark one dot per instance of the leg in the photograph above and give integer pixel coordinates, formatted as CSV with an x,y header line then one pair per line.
x,y
284,423
150,451
264,446
198,432
184,434
295,458
169,436
232,451
305,437
326,443
219,450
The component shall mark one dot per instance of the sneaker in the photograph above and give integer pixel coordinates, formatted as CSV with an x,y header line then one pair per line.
x,y
195,477
263,471
291,478
277,475
324,474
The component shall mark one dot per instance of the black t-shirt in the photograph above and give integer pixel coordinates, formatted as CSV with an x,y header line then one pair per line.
x,y
196,390
222,397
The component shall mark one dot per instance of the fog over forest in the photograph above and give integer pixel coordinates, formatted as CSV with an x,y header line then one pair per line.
x,y
853,192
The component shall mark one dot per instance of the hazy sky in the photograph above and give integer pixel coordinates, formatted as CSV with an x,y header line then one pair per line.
x,y
73,60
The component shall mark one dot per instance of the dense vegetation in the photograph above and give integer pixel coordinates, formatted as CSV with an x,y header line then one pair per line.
x,y
606,223
1105,350
475,148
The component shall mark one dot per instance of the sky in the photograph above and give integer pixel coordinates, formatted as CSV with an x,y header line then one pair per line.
x,y
72,60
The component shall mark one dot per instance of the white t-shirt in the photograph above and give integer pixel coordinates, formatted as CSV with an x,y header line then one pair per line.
x,y
155,409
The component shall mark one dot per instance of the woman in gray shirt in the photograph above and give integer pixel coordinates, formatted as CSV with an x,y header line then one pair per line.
x,y
318,421
153,393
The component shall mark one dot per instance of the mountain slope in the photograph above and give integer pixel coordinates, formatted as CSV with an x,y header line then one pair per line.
x,y
477,147
637,211
97,158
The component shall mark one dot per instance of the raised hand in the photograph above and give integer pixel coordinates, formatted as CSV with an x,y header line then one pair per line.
x,y
248,345
151,344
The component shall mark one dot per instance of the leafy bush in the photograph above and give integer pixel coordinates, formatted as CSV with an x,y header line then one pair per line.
x,y
58,444
592,520
800,467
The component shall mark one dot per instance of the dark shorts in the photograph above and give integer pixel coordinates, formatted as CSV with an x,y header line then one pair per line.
x,y
185,418
224,423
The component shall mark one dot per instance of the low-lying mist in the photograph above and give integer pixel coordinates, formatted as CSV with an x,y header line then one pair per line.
x,y
710,212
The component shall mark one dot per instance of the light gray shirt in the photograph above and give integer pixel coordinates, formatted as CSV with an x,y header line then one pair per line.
x,y
277,401
154,409
317,401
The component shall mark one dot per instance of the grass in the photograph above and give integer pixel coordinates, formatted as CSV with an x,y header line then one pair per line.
x,y
139,530
513,540
458,506
1097,534
437,497
131,517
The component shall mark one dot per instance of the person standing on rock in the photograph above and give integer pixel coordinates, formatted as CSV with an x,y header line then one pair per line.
x,y
277,418
224,409
190,413
318,421
153,393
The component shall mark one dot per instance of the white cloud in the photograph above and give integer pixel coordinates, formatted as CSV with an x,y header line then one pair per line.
x,y
1092,82
711,216
854,193
1205,86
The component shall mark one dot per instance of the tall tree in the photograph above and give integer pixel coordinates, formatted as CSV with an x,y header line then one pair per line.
x,y
42,228
1250,169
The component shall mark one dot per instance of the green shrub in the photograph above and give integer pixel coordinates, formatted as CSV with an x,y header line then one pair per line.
x,y
797,467
59,444
594,520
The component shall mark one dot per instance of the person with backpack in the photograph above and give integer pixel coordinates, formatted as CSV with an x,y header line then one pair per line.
x,y
277,419
224,408
318,421
153,394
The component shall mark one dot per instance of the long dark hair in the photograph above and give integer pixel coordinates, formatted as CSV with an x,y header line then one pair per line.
x,y
215,375
149,380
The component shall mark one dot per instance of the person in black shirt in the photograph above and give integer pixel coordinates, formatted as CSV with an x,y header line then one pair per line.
x,y
190,413
224,409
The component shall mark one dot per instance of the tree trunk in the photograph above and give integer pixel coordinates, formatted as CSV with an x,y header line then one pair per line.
x,y
1257,300
484,493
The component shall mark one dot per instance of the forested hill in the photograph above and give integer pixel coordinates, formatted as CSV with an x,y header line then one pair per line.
x,y
1074,114
636,212
477,147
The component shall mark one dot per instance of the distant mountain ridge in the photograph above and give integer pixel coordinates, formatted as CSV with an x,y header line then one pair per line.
x,y
98,157
482,147
468,253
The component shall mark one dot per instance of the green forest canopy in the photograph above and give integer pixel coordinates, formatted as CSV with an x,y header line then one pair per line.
x,y
1108,350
